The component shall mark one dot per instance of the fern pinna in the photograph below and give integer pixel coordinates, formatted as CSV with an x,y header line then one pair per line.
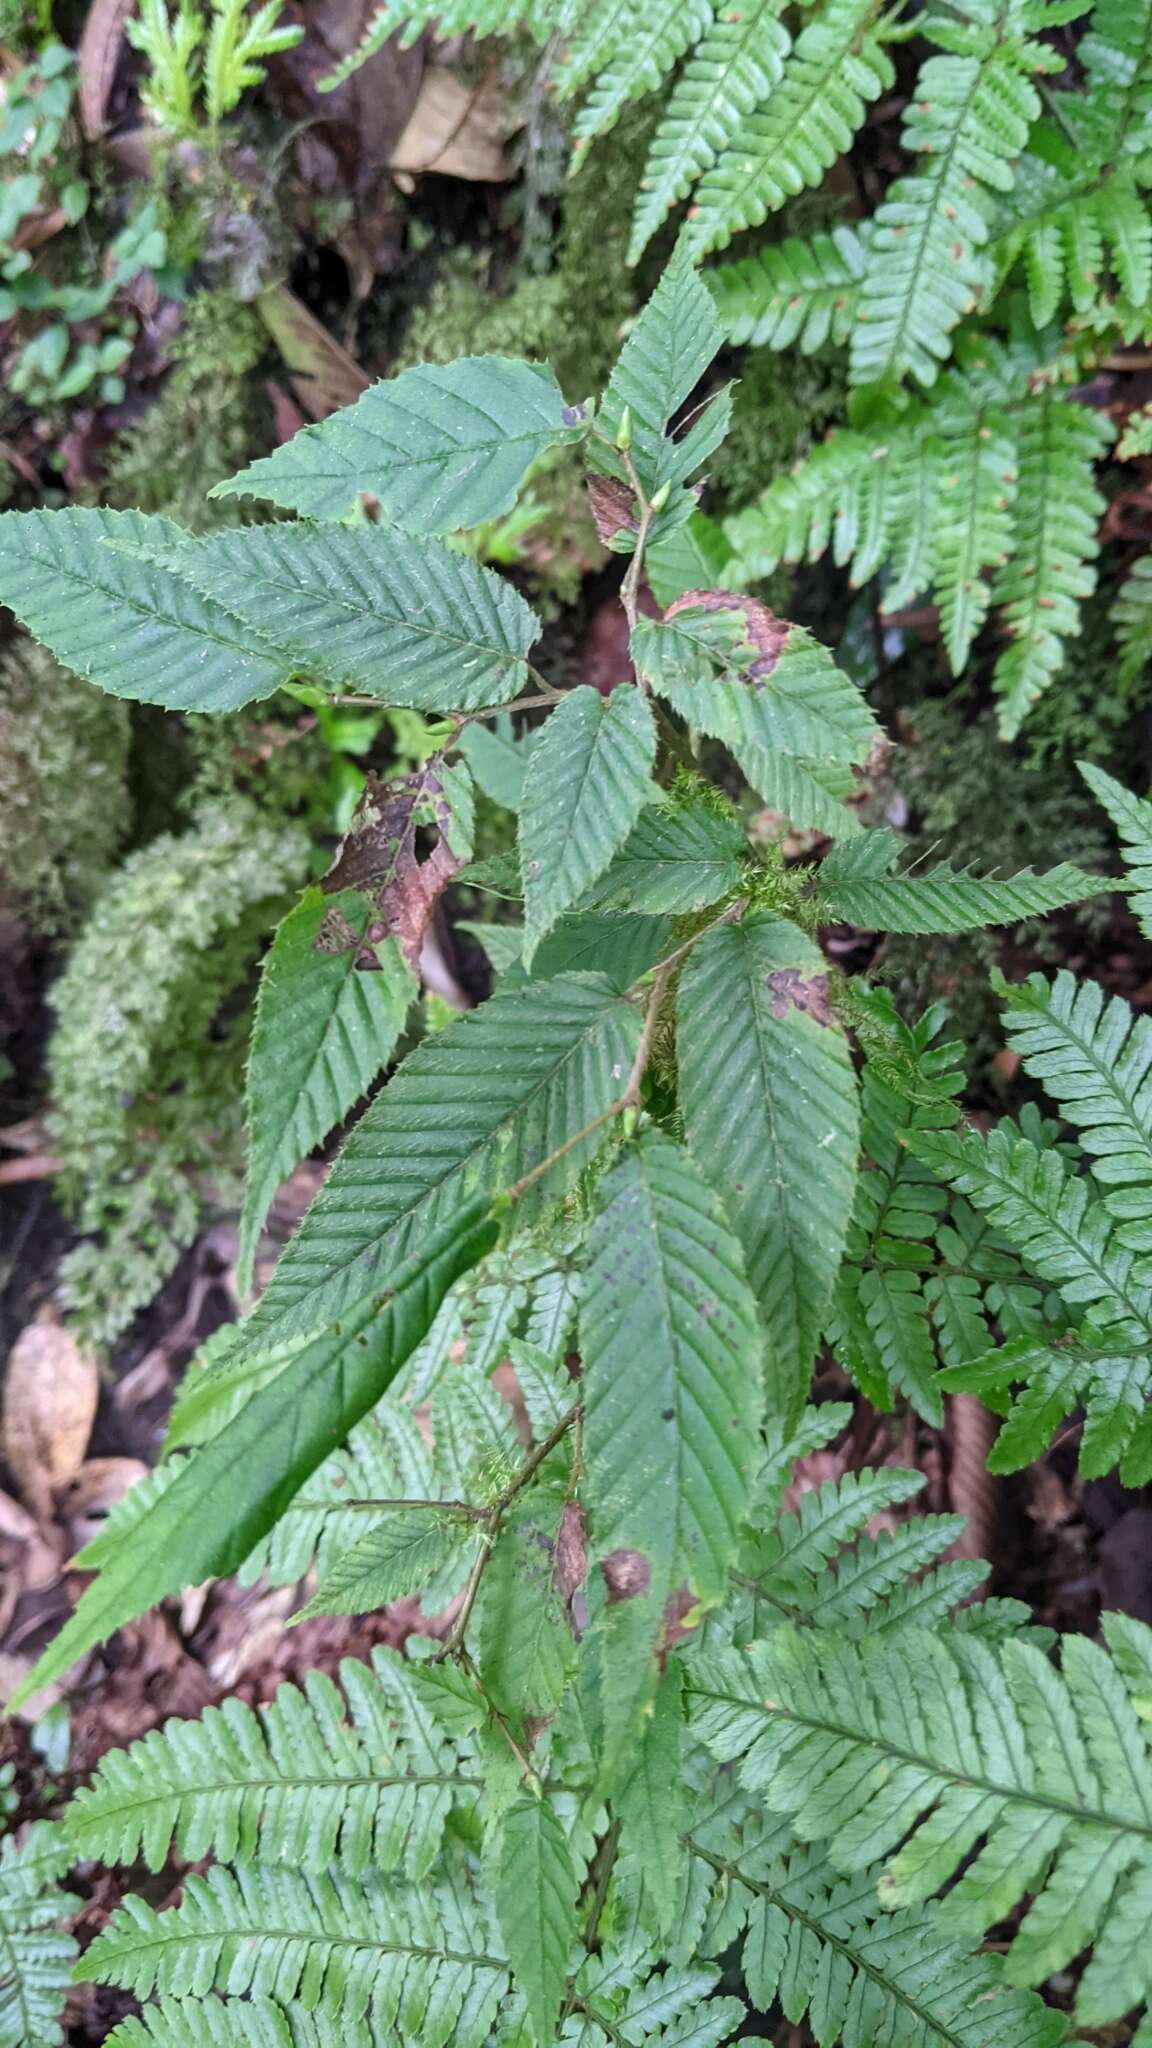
x,y
634,1174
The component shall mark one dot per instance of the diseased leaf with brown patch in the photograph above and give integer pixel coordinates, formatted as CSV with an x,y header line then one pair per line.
x,y
761,628
51,1387
789,989
381,855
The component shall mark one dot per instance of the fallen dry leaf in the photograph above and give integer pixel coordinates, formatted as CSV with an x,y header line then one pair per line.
x,y
98,1486
324,375
51,1387
454,130
97,58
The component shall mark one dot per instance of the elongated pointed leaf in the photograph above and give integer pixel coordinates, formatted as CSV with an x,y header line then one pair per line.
x,y
441,448
126,623
372,609
232,1490
489,1098
857,886
660,365
403,1555
586,783
770,1109
535,1886
324,1028
673,1382
673,861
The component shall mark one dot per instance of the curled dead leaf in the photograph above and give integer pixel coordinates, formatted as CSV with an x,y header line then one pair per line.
x,y
51,1387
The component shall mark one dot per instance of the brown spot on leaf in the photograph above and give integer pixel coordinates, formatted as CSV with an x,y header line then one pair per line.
x,y
790,989
627,1575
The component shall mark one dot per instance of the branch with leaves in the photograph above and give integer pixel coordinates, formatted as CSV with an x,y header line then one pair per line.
x,y
648,1172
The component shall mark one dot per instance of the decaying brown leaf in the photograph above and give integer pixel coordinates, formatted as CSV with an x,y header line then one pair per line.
x,y
97,58
99,1486
380,855
324,376
613,508
51,1387
455,130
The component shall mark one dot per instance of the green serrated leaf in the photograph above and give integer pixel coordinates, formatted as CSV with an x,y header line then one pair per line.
x,y
651,1802
231,1491
535,1886
440,447
586,783
371,609
323,1030
672,1374
858,887
673,342
734,670
127,623
485,1100
674,861
770,1109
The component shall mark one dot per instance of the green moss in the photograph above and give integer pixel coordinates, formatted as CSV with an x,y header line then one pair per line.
x,y
975,798
64,804
146,1061
202,427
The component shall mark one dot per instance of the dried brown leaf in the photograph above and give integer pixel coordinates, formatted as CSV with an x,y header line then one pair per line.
x,y
455,130
97,58
324,375
51,1388
379,855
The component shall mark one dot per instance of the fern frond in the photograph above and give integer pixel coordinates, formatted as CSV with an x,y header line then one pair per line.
x,y
1132,617
822,1947
654,45
926,265
857,885
836,69
358,1774
1111,1386
1062,1233
973,530
735,66
1132,817
805,293
228,2023
1117,53
345,1946
37,1952
1057,511
941,1743
1093,1055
